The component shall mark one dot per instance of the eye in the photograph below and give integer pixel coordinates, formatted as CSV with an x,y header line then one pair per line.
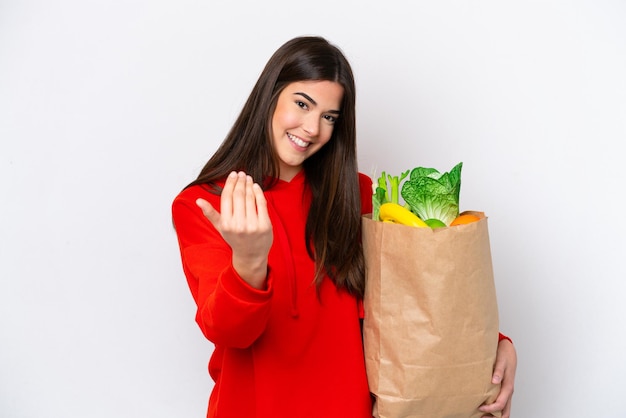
x,y
302,104
330,118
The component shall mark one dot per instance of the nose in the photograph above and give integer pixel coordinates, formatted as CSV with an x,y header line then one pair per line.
x,y
311,125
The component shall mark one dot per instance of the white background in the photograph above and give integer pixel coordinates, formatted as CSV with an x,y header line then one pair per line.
x,y
108,108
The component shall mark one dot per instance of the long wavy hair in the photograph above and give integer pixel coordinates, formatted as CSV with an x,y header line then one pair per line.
x,y
334,221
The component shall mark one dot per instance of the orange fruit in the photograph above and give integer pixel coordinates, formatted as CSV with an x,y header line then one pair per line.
x,y
464,219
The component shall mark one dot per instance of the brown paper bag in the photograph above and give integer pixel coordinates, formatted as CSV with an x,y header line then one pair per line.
x,y
431,319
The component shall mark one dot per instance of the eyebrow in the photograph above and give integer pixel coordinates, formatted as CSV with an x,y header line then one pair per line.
x,y
310,99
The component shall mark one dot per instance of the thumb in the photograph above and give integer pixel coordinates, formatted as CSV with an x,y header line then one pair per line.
x,y
498,372
208,210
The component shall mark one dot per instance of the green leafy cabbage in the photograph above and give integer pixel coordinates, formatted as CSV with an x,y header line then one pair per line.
x,y
433,195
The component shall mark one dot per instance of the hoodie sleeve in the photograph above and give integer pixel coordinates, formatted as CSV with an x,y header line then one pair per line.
x,y
230,313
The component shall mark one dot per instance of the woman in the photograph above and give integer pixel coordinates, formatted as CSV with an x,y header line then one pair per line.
x,y
269,239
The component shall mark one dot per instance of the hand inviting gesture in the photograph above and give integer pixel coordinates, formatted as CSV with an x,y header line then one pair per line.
x,y
244,223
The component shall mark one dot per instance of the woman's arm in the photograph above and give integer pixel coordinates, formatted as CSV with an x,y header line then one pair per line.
x,y
231,311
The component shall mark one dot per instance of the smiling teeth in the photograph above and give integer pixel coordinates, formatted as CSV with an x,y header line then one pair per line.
x,y
298,141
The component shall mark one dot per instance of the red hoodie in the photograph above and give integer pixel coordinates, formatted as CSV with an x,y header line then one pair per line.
x,y
284,351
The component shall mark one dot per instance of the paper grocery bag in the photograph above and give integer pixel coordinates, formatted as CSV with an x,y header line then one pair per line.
x,y
430,329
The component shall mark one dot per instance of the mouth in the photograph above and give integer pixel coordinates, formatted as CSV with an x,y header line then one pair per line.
x,y
297,141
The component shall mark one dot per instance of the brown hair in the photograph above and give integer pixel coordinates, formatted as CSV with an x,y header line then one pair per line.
x,y
334,219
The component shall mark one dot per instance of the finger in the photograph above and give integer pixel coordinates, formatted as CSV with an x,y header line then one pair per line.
x,y
239,197
498,372
251,210
499,368
209,211
226,206
501,402
497,405
261,205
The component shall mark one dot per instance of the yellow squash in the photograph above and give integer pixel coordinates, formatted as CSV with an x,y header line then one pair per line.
x,y
393,212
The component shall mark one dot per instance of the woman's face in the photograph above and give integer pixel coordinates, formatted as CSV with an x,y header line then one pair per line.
x,y
303,122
